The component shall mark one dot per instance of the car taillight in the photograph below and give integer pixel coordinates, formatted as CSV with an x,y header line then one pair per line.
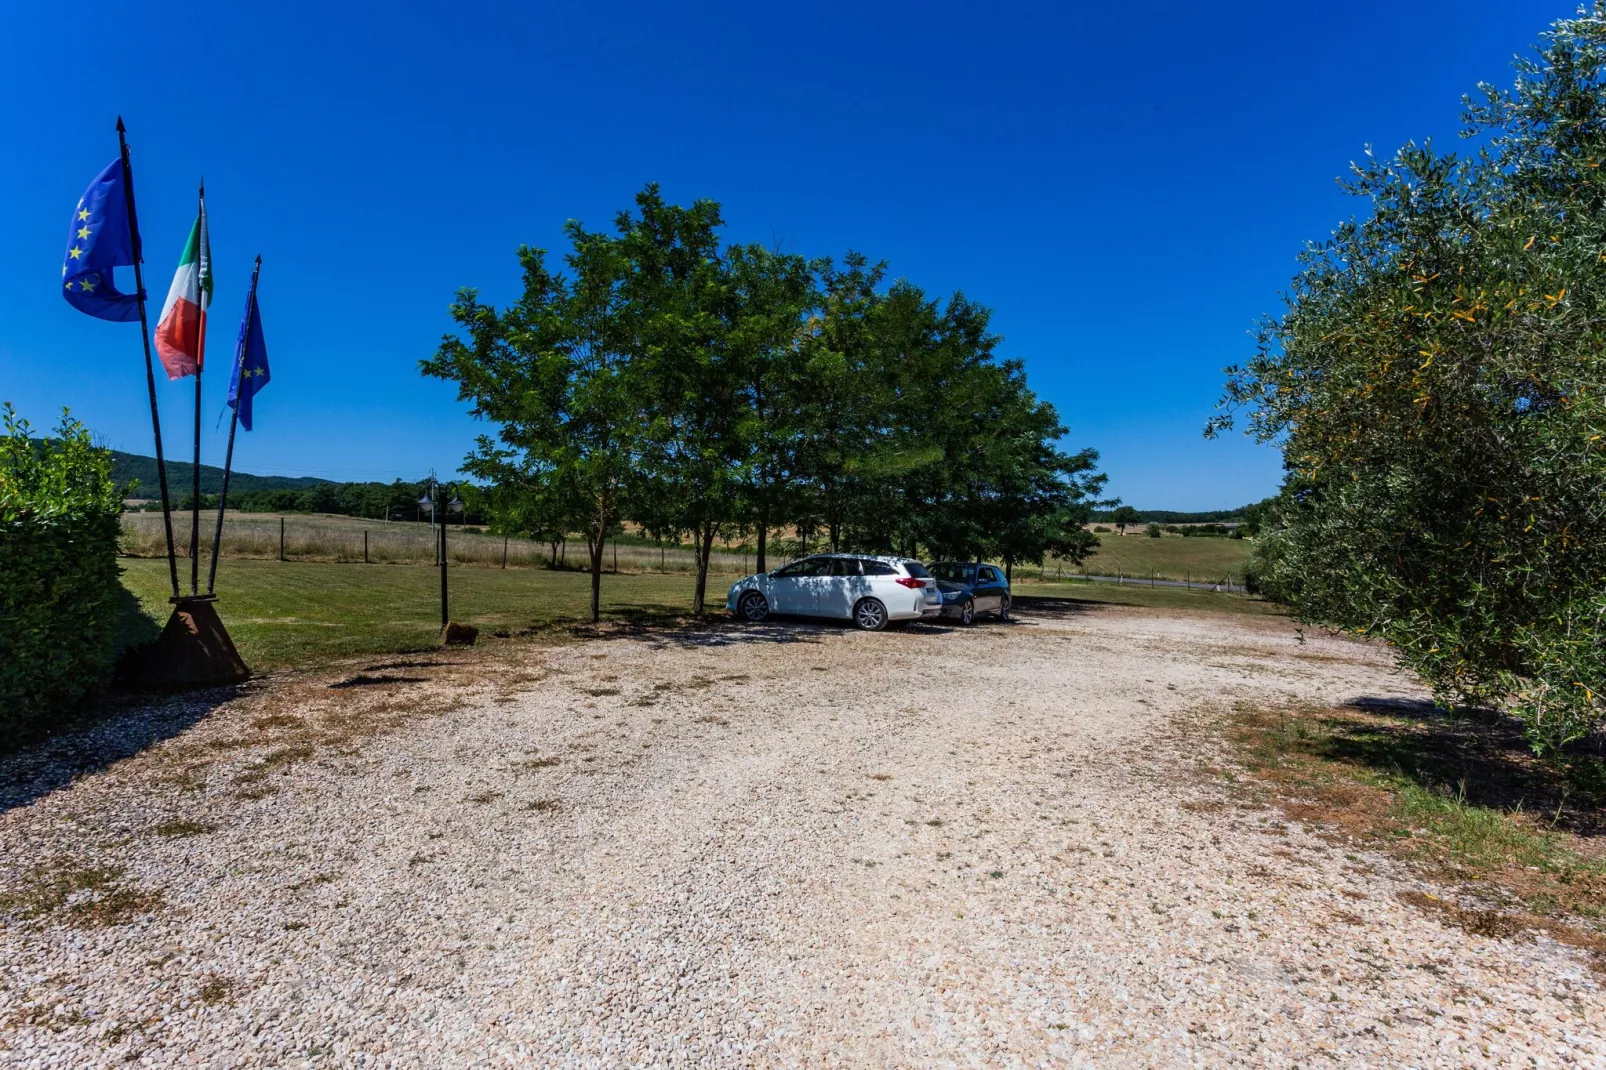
x,y
911,582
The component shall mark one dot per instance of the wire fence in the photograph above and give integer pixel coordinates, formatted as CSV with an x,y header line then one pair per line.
x,y
349,540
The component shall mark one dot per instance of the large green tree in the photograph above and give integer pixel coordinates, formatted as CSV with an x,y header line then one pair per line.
x,y
555,372
1436,386
677,310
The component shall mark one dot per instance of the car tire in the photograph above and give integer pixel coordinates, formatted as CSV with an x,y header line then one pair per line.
x,y
869,615
1003,608
967,612
753,607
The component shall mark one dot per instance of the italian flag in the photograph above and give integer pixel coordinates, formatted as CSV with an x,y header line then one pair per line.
x,y
181,336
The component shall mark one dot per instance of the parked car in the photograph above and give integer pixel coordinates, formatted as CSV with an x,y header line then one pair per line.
x,y
969,589
871,591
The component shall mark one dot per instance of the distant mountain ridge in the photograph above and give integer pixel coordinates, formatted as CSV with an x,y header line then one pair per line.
x,y
130,467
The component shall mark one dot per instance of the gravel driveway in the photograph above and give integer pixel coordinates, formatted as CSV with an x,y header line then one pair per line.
x,y
784,846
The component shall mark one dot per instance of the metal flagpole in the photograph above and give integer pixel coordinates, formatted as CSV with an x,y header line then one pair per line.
x,y
145,332
228,457
200,358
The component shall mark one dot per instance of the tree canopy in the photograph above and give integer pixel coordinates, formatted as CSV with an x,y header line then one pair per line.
x,y
691,387
1436,386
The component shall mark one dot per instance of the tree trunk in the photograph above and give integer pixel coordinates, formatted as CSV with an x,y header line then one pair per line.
x,y
597,547
705,547
763,538
1009,569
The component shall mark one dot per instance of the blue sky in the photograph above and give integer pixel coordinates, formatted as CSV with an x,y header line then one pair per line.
x,y
1125,185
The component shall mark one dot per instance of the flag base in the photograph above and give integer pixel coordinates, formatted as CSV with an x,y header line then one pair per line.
x,y
194,651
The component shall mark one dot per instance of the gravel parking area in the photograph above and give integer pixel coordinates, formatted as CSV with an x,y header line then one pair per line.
x,y
786,845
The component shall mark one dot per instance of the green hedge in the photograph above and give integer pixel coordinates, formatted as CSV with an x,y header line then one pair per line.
x,y
59,589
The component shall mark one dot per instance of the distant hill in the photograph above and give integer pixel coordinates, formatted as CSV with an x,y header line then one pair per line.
x,y
127,467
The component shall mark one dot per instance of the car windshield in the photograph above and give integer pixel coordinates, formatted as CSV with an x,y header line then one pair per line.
x,y
954,573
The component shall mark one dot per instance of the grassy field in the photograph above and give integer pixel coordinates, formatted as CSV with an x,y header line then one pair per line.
x,y
295,613
1172,558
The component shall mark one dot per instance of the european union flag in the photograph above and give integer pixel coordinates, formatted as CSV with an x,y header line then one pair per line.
x,y
250,361
100,239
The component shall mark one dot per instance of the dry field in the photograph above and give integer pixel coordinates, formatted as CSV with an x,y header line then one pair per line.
x,y
780,846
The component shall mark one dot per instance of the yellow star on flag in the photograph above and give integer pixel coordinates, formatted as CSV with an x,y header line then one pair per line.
x,y
74,252
86,286
83,213
83,232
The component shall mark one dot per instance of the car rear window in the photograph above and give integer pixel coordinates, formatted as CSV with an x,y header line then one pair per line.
x,y
917,570
878,568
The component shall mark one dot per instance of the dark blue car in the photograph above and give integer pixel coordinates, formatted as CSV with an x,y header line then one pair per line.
x,y
970,589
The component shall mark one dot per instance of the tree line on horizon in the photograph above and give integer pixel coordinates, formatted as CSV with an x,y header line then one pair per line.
x,y
700,389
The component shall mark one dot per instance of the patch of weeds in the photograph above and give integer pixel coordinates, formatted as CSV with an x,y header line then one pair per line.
x,y
537,763
996,874
180,828
83,896
286,756
598,692
294,926
1460,797
216,990
709,718
234,743
935,822
480,798
189,778
277,720
543,806
880,776
420,859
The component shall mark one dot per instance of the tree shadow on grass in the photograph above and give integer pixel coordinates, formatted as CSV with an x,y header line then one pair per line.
x,y
1473,754
1061,608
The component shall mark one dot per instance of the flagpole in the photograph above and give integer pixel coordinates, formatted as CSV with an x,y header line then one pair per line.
x,y
200,357
234,421
145,332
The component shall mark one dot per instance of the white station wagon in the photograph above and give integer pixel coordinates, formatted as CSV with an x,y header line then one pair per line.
x,y
869,590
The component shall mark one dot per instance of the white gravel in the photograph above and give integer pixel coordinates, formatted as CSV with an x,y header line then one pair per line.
x,y
777,846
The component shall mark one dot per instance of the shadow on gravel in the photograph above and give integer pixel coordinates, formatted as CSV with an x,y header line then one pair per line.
x,y
362,679
122,728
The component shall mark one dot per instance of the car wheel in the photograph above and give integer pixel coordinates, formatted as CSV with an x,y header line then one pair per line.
x,y
1003,608
870,615
754,607
967,612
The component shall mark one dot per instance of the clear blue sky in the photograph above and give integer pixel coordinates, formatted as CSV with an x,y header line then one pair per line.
x,y
1126,185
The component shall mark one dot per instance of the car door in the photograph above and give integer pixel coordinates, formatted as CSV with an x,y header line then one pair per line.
x,y
837,588
789,590
989,589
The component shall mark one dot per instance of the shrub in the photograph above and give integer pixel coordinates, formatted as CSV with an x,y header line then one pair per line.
x,y
1154,531
1438,387
59,590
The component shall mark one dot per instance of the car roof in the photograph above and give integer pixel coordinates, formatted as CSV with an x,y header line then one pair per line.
x,y
891,559
966,564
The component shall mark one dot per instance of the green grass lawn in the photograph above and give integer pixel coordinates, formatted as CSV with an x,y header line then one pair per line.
x,y
1033,595
1174,558
293,613
298,613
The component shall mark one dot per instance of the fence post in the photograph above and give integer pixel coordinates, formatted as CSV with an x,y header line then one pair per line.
x,y
281,538
504,551
365,546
